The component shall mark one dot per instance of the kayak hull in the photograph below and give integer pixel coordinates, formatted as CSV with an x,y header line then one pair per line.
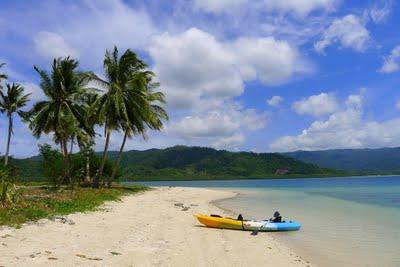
x,y
246,225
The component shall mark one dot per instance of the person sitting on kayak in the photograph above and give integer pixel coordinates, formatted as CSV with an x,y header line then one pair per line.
x,y
277,217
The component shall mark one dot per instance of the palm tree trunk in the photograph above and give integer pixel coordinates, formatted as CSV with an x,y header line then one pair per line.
x,y
66,161
87,167
96,180
117,161
72,145
10,125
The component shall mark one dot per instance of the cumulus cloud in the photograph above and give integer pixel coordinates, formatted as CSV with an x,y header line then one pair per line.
x,y
267,59
275,101
391,62
222,128
218,6
52,45
355,101
317,105
301,7
349,32
345,128
232,142
204,67
193,65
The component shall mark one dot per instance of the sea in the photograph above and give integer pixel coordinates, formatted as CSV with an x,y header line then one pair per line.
x,y
346,221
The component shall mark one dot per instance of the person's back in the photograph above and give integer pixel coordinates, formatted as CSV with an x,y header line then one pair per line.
x,y
277,217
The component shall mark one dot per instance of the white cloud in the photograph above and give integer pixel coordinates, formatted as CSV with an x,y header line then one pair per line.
x,y
301,7
193,65
218,6
349,31
220,127
343,129
211,125
317,105
381,11
101,24
355,101
52,45
35,91
232,142
275,101
204,68
267,59
296,7
87,29
391,63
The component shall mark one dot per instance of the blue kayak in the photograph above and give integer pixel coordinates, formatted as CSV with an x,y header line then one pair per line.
x,y
271,226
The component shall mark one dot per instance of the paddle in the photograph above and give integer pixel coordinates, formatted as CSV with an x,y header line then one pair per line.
x,y
255,232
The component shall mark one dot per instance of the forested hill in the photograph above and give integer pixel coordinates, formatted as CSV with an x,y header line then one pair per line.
x,y
369,161
181,163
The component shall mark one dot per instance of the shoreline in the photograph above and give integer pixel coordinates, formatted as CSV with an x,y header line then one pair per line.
x,y
153,228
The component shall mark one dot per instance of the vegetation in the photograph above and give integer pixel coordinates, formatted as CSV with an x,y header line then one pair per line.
x,y
128,103
11,102
357,161
41,202
70,113
125,101
188,163
9,194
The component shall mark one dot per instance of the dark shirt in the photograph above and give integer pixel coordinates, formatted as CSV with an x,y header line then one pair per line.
x,y
277,219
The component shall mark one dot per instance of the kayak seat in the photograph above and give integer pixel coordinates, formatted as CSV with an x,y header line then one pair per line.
x,y
240,217
214,215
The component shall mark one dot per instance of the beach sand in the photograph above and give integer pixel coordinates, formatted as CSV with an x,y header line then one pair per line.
x,y
146,229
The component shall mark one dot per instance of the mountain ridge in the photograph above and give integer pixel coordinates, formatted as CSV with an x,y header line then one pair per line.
x,y
191,163
384,160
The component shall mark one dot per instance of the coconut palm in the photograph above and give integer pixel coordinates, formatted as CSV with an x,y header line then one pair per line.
x,y
144,111
112,105
2,75
62,111
84,139
11,102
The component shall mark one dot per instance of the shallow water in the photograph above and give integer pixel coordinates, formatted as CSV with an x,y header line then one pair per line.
x,y
352,221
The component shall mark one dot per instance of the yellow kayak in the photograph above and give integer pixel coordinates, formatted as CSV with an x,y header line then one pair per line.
x,y
216,221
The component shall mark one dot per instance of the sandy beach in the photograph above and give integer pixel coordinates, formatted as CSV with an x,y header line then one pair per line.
x,y
147,229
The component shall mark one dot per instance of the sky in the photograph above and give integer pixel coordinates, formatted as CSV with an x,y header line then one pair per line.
x,y
240,75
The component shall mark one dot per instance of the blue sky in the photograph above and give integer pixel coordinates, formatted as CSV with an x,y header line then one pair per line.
x,y
276,75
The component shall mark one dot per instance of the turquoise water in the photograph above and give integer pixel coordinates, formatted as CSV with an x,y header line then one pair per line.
x,y
352,221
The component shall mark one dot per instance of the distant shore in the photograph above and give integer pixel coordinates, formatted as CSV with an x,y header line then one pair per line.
x,y
154,228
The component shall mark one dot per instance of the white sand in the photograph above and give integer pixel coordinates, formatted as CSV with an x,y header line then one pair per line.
x,y
146,229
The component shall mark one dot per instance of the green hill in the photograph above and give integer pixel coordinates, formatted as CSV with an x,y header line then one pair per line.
x,y
368,161
184,163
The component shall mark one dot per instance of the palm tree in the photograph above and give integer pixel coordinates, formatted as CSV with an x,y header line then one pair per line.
x,y
2,75
86,140
62,111
143,110
11,102
112,105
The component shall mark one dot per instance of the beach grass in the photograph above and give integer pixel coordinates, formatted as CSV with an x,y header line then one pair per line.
x,y
39,202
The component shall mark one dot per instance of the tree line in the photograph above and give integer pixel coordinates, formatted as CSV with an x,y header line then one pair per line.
x,y
78,103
